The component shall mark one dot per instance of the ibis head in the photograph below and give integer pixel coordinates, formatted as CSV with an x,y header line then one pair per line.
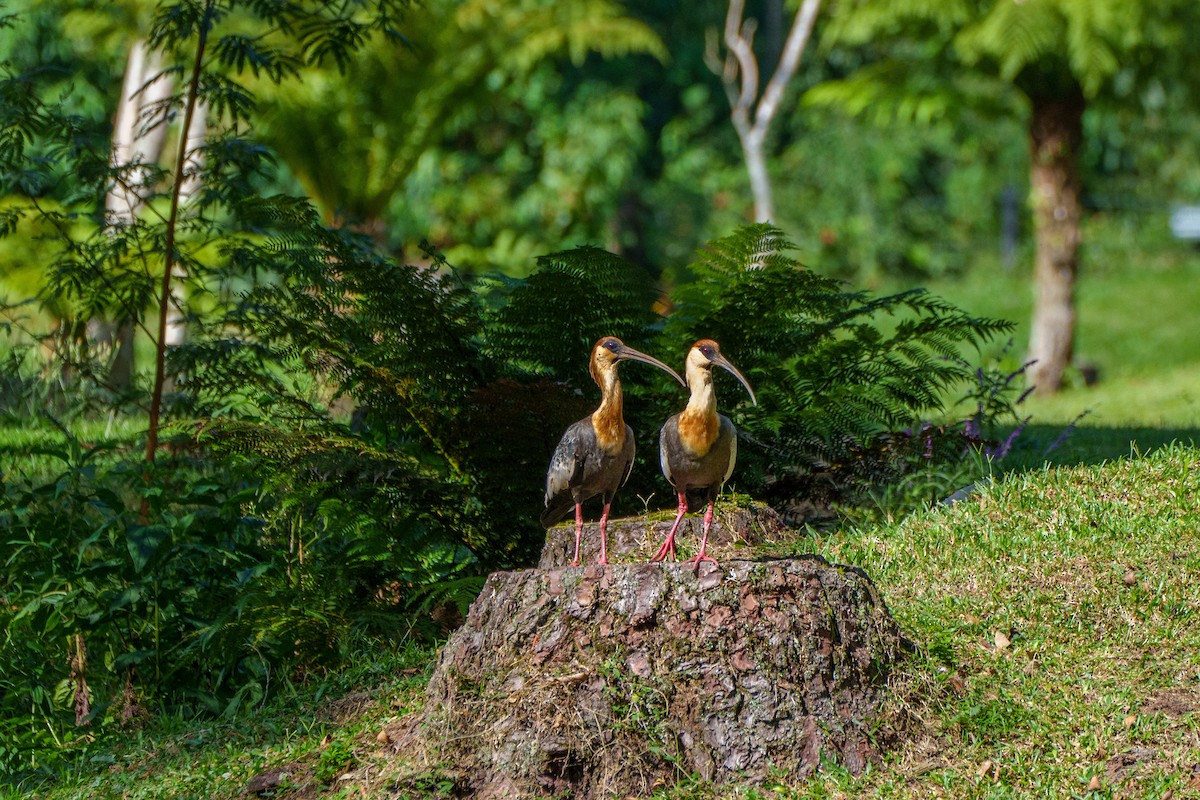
x,y
704,355
610,351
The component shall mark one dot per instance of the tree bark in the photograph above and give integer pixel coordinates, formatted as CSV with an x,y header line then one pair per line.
x,y
615,681
1055,136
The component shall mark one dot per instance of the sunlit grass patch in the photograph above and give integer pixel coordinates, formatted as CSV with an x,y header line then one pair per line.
x,y
1060,611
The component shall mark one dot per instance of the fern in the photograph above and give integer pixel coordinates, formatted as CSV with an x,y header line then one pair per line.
x,y
549,322
834,369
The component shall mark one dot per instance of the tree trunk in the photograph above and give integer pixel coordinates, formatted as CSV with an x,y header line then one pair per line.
x,y
1055,135
760,179
752,114
616,681
176,330
138,135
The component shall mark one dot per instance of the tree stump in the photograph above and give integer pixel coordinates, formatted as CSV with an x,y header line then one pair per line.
x,y
594,681
636,540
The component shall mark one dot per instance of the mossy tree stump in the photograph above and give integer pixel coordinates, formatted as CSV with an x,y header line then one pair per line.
x,y
634,540
595,681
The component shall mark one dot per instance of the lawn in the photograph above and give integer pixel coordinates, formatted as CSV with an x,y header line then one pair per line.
x,y
1061,625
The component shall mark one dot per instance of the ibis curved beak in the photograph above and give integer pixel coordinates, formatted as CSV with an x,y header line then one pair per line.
x,y
723,362
628,353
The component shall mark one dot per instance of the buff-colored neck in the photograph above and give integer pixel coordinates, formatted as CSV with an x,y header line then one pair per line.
x,y
608,420
698,424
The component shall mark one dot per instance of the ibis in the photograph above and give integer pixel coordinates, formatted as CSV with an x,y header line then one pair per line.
x,y
698,446
595,454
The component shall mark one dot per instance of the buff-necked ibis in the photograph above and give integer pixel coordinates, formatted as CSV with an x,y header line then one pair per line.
x,y
595,454
698,446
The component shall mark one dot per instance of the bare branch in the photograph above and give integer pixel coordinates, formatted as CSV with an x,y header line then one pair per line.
x,y
752,115
739,38
797,40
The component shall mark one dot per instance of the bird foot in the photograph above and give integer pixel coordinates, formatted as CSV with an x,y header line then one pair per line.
x,y
699,559
576,563
668,548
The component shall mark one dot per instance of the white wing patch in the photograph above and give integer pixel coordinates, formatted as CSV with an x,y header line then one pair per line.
x,y
662,455
732,457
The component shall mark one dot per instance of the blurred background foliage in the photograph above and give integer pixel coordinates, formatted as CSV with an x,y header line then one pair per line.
x,y
499,132
395,271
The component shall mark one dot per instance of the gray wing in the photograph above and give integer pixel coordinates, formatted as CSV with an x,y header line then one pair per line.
x,y
732,448
566,471
665,442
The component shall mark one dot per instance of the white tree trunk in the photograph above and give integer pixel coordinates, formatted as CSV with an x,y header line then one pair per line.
x,y
752,115
139,131
176,330
176,325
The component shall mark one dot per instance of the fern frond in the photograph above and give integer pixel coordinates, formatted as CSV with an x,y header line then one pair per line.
x,y
829,365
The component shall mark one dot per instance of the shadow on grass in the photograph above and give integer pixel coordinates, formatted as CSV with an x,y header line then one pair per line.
x,y
1083,444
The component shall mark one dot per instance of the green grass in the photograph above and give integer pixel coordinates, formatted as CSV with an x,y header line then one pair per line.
x,y
1089,573
1136,324
315,733
1137,300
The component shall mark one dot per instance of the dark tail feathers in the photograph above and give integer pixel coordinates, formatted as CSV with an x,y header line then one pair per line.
x,y
557,510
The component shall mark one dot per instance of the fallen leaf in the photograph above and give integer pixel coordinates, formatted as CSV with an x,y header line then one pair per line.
x,y
1094,784
326,740
1129,720
1002,641
984,769
382,737
1130,578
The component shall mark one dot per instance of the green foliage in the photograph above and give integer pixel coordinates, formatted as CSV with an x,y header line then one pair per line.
x,y
572,300
334,760
455,124
833,369
1102,45
182,587
129,562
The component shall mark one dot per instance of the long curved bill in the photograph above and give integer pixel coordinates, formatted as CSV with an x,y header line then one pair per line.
x,y
627,352
723,362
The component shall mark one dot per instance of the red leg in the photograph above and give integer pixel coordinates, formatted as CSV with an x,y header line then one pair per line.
x,y
702,556
604,535
668,547
578,531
